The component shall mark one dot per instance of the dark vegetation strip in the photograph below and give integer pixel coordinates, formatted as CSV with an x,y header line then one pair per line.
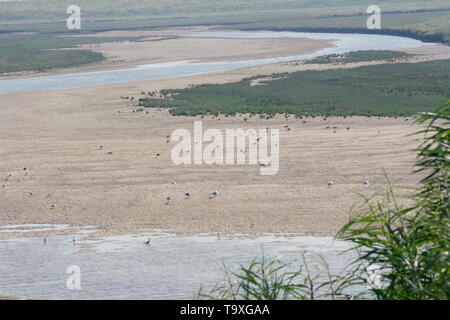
x,y
383,90
360,56
37,52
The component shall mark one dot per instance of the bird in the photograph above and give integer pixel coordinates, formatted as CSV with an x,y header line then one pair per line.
x,y
3,186
218,235
366,183
45,240
330,184
168,199
215,193
174,182
187,195
30,194
53,206
148,242
73,240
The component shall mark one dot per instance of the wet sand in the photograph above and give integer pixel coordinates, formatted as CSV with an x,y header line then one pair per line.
x,y
56,136
121,188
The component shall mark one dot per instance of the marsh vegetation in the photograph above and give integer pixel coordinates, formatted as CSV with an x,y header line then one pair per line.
x,y
381,90
424,20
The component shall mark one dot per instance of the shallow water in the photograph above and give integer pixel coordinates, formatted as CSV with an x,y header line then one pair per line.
x,y
123,267
344,42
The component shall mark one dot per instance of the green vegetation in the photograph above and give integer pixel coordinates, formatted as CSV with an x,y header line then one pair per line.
x,y
403,249
360,56
266,279
382,90
426,20
21,52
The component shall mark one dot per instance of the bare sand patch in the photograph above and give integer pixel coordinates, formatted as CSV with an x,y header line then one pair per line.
x,y
205,49
121,188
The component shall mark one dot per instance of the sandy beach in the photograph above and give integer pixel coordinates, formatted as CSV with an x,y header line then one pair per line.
x,y
91,161
56,136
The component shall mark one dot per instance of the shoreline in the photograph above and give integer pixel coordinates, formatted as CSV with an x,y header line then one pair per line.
x,y
154,48
164,46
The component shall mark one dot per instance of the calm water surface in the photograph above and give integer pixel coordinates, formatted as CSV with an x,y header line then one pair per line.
x,y
123,267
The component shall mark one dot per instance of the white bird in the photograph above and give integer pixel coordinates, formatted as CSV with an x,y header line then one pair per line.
x,y
187,195
148,242
330,183
168,199
53,206
3,186
366,183
30,194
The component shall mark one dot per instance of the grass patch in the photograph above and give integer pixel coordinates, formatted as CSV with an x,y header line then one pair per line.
x,y
23,52
382,90
425,20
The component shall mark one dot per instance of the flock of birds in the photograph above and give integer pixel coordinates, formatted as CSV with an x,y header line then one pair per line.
x,y
20,177
188,195
168,199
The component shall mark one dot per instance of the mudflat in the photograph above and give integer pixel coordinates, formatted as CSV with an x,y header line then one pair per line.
x,y
92,160
121,187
